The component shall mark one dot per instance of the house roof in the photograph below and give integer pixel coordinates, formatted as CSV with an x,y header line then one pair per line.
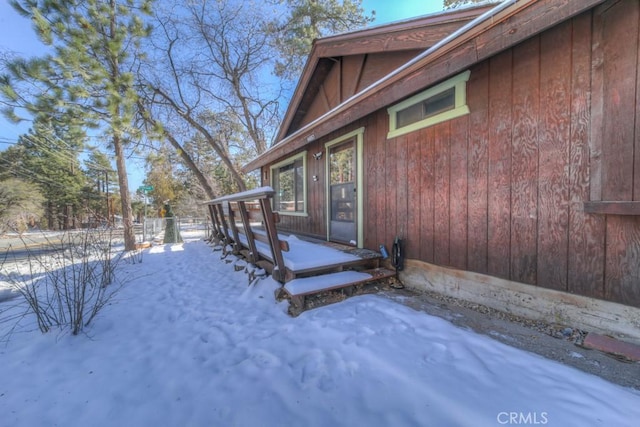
x,y
499,28
409,35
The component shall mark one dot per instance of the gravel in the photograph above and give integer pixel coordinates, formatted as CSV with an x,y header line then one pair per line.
x,y
562,343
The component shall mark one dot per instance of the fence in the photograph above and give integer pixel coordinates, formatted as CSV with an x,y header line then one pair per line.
x,y
151,228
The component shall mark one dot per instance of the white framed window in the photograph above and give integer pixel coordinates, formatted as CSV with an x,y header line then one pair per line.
x,y
437,104
289,181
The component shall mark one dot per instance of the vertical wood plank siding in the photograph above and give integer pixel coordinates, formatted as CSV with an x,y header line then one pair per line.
x,y
524,166
459,192
478,169
586,232
620,48
499,147
427,196
553,130
501,190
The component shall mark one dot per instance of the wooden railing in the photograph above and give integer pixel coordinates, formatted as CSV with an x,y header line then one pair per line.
x,y
246,222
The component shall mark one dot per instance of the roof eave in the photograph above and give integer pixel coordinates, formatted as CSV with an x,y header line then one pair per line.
x,y
515,32
331,47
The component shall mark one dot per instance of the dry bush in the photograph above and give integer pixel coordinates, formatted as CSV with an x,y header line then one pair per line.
x,y
67,280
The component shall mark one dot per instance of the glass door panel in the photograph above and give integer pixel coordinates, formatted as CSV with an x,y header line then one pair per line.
x,y
342,193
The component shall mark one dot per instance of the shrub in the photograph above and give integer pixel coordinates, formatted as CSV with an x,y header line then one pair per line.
x,y
68,280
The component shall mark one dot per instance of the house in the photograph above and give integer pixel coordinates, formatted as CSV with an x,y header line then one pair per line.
x,y
504,151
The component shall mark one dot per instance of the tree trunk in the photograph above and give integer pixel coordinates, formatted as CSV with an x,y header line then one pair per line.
x,y
237,178
188,161
125,197
68,212
123,181
50,223
186,158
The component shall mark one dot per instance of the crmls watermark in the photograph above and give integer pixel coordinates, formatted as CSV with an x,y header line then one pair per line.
x,y
522,418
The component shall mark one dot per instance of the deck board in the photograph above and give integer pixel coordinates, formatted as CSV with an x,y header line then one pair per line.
x,y
306,256
309,285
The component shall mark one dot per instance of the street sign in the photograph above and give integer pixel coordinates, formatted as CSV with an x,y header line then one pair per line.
x,y
145,188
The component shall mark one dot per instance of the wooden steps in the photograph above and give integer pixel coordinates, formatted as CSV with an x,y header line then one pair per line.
x,y
298,289
307,270
234,218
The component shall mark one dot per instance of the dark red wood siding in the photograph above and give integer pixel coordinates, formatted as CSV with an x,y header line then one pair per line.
x,y
554,123
351,74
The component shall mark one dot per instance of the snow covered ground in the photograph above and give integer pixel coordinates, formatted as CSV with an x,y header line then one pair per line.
x,y
188,343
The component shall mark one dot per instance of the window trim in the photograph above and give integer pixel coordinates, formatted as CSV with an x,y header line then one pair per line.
x,y
461,108
273,170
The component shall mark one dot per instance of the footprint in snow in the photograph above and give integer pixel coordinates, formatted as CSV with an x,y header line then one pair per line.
x,y
360,337
437,353
265,359
315,373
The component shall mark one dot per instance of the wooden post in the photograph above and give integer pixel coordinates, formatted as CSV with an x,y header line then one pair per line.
x,y
267,214
234,229
244,216
225,227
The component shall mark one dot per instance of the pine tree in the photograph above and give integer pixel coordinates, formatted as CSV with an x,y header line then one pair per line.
x,y
47,157
101,186
308,20
20,204
453,4
88,77
50,157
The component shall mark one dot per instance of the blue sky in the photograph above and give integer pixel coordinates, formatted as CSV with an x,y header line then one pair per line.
x,y
16,35
396,10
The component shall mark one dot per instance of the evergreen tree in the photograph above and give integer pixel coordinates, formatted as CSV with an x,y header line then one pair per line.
x,y
96,45
20,204
11,163
51,156
101,186
47,157
452,4
308,20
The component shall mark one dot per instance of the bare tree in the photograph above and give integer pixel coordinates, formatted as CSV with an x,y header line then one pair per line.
x,y
213,67
165,134
221,86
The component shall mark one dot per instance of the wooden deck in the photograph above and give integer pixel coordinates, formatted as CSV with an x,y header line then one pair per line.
x,y
245,225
